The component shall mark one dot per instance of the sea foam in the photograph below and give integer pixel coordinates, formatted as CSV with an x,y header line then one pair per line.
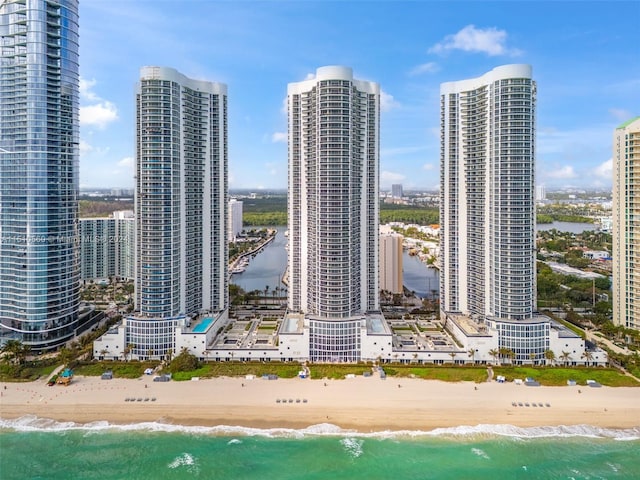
x,y
30,423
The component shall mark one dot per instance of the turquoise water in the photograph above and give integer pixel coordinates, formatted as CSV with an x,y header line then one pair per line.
x,y
33,448
203,325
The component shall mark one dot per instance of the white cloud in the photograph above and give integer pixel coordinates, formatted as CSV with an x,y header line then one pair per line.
x,y
279,137
387,178
471,39
100,114
430,67
310,76
85,90
387,102
85,147
561,173
428,166
605,170
126,162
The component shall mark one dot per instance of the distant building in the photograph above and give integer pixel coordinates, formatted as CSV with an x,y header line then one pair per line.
x,y
626,224
541,193
391,263
235,219
396,190
107,246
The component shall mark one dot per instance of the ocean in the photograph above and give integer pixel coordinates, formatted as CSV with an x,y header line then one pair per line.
x,y
33,448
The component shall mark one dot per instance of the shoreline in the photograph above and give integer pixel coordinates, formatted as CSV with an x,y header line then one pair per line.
x,y
360,404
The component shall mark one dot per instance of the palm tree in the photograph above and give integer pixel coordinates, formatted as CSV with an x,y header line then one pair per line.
x,y
12,348
127,351
588,357
532,357
504,352
103,352
550,356
494,352
472,353
565,357
453,356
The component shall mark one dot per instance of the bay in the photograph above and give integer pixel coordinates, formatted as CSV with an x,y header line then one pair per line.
x,y
570,227
267,268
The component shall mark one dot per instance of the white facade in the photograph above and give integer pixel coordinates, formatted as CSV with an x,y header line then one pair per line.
x,y
487,209
626,224
333,208
181,252
107,246
391,262
235,219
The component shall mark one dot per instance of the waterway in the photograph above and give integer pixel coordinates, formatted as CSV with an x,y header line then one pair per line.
x,y
267,267
567,227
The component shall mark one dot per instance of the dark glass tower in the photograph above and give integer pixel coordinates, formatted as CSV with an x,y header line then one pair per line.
x,y
39,263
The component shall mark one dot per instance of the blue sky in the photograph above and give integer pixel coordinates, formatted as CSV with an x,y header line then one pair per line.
x,y
585,57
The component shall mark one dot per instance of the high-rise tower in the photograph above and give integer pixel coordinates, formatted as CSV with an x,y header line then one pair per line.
x,y
180,205
626,227
487,207
39,256
333,208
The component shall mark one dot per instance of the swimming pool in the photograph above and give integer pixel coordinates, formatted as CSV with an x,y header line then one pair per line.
x,y
203,326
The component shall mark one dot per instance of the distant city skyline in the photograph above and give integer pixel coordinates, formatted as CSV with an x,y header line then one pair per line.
x,y
587,70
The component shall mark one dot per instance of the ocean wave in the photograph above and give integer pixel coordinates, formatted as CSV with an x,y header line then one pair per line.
x,y
31,423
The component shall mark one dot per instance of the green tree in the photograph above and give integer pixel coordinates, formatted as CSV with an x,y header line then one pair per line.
x,y
550,356
495,353
565,357
184,362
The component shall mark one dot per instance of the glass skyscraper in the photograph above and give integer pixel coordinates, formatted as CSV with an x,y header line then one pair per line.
x,y
333,208
39,256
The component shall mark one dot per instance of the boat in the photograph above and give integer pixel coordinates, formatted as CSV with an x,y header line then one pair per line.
x,y
241,266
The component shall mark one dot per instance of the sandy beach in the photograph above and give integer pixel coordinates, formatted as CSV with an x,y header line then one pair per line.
x,y
364,404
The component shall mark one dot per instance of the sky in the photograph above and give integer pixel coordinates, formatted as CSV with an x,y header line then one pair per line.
x,y
585,57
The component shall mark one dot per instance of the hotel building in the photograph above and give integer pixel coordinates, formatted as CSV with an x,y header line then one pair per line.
x,y
181,251
39,139
626,224
333,213
487,211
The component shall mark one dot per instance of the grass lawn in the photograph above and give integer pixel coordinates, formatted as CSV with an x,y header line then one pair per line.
x,y
559,375
119,369
239,369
